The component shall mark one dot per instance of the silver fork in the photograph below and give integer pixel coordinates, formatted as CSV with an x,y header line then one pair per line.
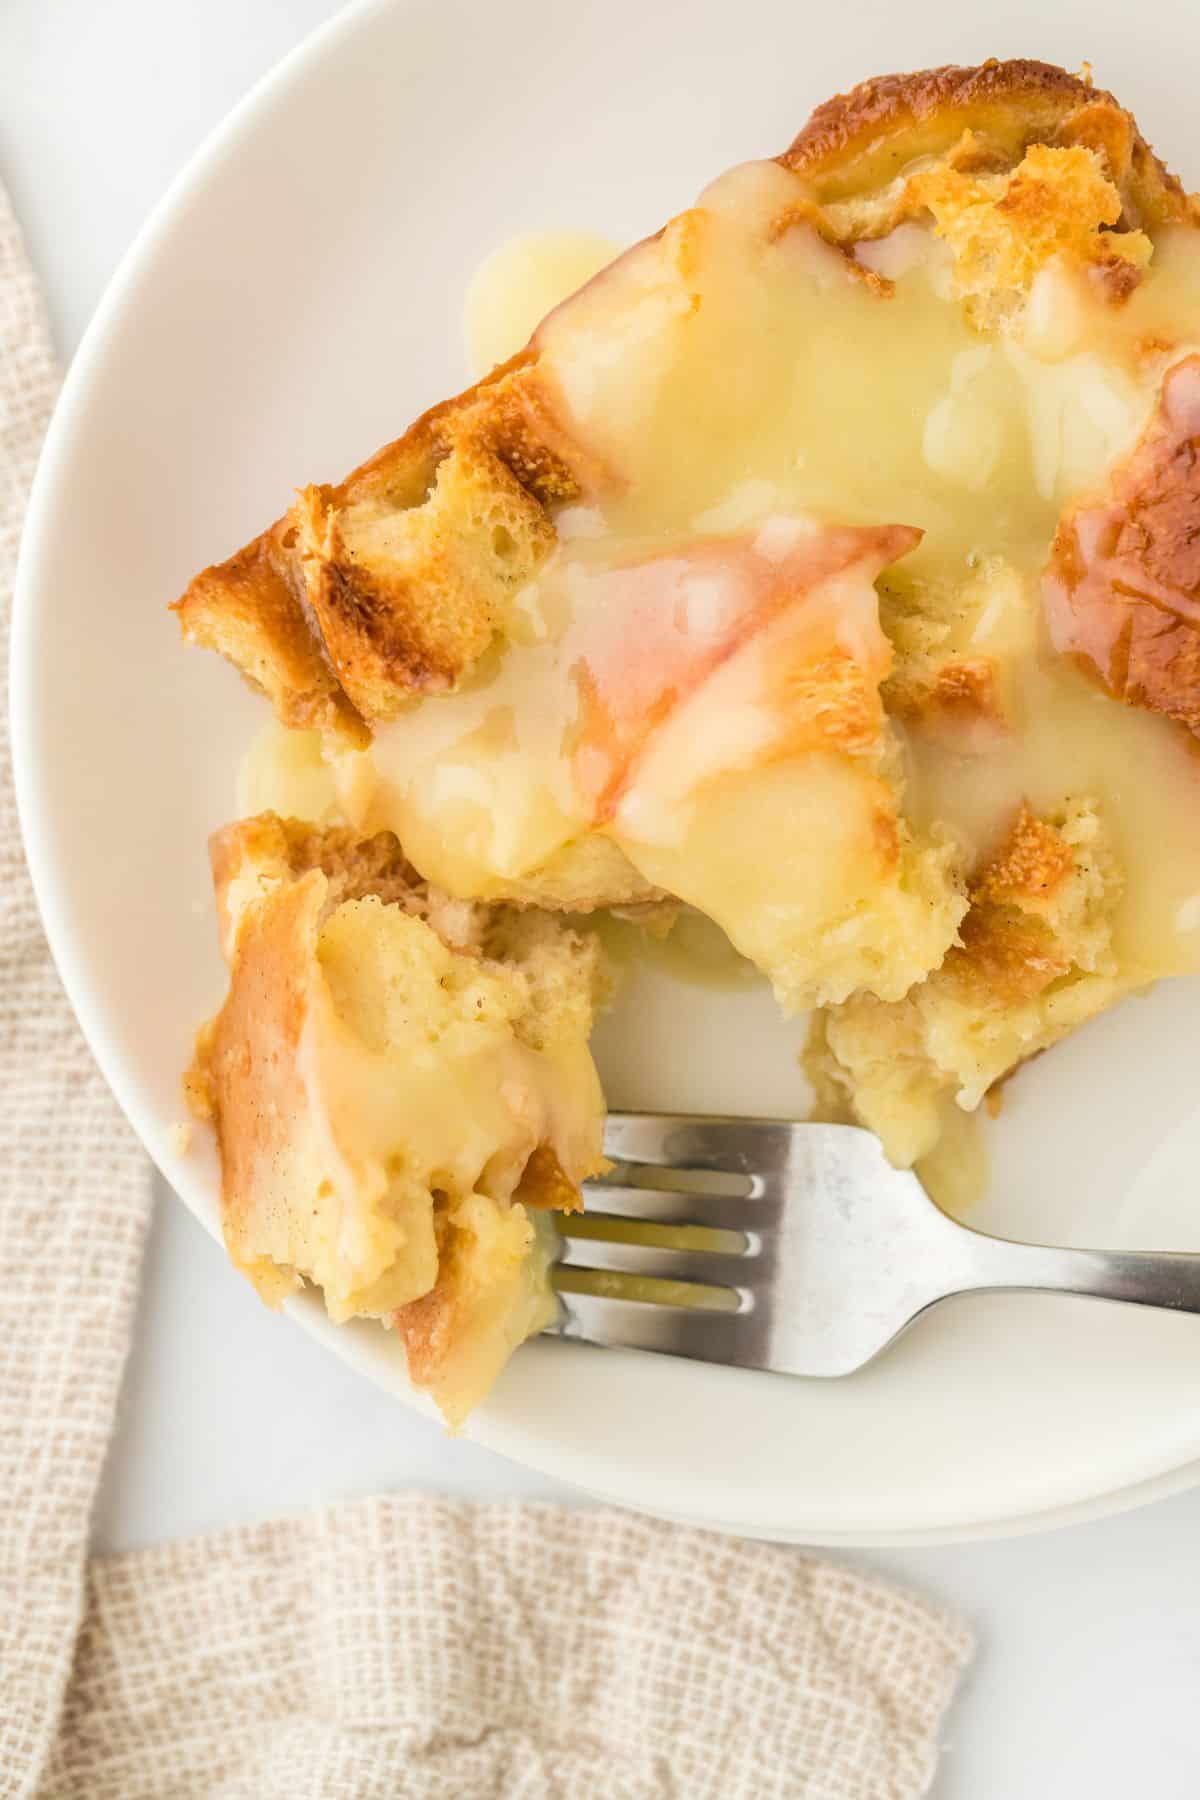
x,y
804,1251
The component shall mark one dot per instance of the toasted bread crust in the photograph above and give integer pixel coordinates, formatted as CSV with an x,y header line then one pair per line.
x,y
860,140
305,600
249,1064
1011,948
959,697
1123,583
1029,868
1008,951
298,601
353,865
251,609
266,851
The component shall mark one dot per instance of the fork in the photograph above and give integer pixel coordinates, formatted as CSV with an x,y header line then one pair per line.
x,y
767,1244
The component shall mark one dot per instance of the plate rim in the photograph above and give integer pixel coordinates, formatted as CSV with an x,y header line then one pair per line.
x,y
219,144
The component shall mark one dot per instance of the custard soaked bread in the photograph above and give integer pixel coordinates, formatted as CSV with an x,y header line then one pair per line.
x,y
827,563
1035,958
399,1083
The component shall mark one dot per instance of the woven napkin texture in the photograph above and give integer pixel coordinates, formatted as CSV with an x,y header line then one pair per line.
x,y
396,1647
430,1648
74,1187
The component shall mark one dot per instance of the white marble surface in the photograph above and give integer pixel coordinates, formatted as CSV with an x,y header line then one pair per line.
x,y
1089,1661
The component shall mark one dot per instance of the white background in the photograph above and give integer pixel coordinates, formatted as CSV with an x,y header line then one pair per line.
x,y
1087,1677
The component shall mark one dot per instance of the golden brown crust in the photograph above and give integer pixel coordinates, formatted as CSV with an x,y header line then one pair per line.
x,y
863,139
546,1187
250,609
396,576
1009,952
427,1328
253,1067
1029,868
254,855
1003,228
834,702
1122,589
953,702
410,605
409,613
1005,957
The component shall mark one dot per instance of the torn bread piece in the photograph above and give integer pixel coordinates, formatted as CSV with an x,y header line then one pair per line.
x,y
1036,958
398,1083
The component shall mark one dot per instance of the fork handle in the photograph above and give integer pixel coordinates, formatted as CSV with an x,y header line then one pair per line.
x,y
1165,1278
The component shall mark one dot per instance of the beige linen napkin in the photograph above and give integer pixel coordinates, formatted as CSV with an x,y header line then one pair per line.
x,y
429,1648
74,1188
395,1647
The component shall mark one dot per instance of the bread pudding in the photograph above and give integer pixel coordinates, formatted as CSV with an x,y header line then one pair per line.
x,y
826,564
399,1083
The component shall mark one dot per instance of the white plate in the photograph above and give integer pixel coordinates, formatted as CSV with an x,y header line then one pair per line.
x,y
293,303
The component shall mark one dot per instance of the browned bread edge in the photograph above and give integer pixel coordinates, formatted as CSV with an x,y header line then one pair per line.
x,y
298,612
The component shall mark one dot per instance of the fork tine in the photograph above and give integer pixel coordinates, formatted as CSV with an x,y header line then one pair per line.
x,y
823,1215
725,1212
708,1268
680,1141
717,1337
